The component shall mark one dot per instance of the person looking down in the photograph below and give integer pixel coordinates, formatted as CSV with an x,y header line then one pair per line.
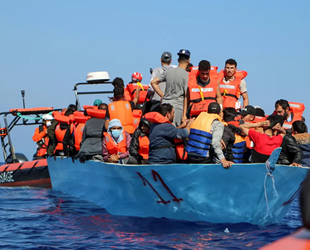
x,y
247,114
266,142
204,142
115,144
162,135
41,138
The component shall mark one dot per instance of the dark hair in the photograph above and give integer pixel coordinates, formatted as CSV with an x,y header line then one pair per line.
x,y
204,65
229,114
231,62
188,67
71,109
165,108
300,127
119,82
283,103
183,59
118,92
274,119
103,106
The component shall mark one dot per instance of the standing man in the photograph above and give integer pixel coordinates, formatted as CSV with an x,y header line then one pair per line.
x,y
166,59
232,84
176,86
203,89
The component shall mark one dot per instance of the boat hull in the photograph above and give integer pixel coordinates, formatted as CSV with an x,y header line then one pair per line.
x,y
31,173
193,192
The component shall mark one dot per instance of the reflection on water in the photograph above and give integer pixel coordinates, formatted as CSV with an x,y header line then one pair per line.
x,y
43,218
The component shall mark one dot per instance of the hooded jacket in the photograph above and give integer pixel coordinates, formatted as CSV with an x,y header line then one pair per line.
x,y
303,140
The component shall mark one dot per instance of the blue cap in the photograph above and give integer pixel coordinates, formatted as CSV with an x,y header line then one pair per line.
x,y
184,52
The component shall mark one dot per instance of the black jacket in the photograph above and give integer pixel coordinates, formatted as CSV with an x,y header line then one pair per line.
x,y
290,151
134,145
229,140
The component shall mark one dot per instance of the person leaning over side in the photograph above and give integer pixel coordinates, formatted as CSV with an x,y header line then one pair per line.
x,y
115,144
204,142
176,86
41,138
91,144
162,135
232,84
266,142
166,59
300,132
290,154
139,145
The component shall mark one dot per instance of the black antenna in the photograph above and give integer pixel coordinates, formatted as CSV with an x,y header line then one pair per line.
x,y
23,96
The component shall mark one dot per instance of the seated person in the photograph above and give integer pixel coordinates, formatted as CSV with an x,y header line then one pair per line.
x,y
91,144
233,138
162,135
97,102
204,143
300,132
266,142
115,144
41,138
291,154
139,145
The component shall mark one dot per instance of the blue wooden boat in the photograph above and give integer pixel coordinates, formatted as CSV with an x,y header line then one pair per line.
x,y
254,193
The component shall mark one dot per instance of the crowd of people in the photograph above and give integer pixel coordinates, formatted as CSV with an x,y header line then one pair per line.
x,y
185,114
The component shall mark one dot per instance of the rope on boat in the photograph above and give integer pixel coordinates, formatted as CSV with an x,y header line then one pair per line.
x,y
275,193
31,118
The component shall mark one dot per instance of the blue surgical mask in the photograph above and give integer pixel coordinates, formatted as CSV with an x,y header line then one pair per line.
x,y
116,133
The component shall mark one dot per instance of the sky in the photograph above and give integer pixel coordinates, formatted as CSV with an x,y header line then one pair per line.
x,y
48,46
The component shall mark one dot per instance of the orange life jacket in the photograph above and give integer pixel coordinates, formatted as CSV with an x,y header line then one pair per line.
x,y
114,148
122,110
155,117
201,97
259,119
136,113
42,141
231,91
60,134
127,95
96,113
78,131
144,144
132,89
297,109
90,107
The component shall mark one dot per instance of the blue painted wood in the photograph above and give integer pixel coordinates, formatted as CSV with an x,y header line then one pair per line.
x,y
198,192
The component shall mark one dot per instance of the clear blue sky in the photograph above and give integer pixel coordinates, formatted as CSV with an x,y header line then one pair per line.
x,y
48,46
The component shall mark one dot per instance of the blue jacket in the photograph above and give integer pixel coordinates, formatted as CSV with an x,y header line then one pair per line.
x,y
162,149
303,140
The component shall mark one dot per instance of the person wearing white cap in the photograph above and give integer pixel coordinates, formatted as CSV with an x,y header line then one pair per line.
x,y
116,142
41,138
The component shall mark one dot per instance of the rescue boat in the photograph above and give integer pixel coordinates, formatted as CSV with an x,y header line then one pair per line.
x,y
17,170
259,194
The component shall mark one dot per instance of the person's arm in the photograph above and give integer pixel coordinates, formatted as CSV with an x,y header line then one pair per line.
x,y
246,127
185,106
245,99
134,144
136,99
155,84
219,96
105,152
294,149
281,131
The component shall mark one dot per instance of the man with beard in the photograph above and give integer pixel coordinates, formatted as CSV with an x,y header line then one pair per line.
x,y
233,84
162,135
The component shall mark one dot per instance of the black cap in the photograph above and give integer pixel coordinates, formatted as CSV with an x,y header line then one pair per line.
x,y
214,108
259,112
248,110
166,57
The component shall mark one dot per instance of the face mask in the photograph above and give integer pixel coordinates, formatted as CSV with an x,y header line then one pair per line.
x,y
48,123
116,133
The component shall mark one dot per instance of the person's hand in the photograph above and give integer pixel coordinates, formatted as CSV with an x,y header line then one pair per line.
x,y
226,164
113,158
184,123
265,123
295,164
223,145
190,122
184,119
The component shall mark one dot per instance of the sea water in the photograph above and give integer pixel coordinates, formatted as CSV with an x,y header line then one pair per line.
x,y
44,219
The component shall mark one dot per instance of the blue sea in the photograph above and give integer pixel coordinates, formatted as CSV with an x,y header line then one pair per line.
x,y
44,219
